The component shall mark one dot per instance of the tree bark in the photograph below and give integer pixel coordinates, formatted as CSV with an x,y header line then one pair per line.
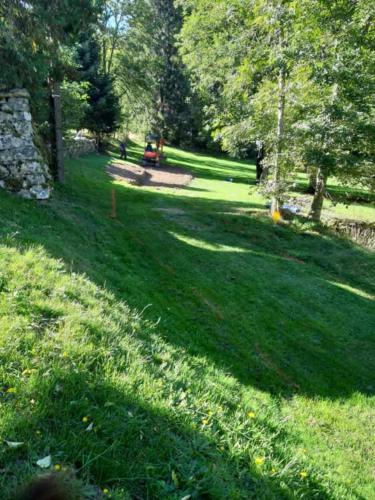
x,y
259,160
58,146
317,203
114,43
275,205
312,175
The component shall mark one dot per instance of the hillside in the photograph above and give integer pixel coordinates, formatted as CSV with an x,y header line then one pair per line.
x,y
215,354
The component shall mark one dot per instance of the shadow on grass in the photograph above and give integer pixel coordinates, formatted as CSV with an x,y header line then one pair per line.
x,y
216,167
134,448
281,309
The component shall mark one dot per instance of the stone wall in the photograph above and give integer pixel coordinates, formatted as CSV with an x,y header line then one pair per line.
x,y
361,232
22,169
79,146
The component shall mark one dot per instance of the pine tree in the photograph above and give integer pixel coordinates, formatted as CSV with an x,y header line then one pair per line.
x,y
172,117
149,68
103,113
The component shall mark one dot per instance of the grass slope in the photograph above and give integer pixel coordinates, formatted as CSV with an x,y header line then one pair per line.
x,y
216,355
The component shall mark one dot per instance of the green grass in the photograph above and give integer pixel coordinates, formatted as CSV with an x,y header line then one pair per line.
x,y
217,355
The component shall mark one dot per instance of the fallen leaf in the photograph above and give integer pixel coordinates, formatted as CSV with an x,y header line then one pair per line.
x,y
14,444
45,462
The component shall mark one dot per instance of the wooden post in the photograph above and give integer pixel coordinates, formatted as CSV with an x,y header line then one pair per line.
x,y
58,138
114,208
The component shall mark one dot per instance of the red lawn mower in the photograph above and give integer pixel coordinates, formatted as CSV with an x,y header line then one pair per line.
x,y
153,155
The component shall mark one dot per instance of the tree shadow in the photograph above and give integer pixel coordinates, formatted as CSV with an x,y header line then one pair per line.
x,y
135,448
215,167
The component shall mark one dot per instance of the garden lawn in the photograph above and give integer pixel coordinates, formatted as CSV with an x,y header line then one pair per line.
x,y
187,349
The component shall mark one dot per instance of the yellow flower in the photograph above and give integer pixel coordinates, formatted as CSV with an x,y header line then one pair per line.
x,y
205,421
276,216
251,414
259,460
11,390
303,474
85,419
273,470
105,491
57,467
65,354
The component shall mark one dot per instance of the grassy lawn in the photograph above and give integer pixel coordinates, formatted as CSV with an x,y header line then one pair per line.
x,y
188,349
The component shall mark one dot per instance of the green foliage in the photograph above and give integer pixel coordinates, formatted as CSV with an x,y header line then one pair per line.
x,y
324,50
149,70
335,126
36,45
74,97
103,112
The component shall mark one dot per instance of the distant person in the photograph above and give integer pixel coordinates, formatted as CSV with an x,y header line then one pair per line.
x,y
123,154
149,147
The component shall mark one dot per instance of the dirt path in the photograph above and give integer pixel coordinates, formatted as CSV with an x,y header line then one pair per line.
x,y
157,177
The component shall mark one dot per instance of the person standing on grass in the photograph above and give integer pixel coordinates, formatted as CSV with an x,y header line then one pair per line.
x,y
123,154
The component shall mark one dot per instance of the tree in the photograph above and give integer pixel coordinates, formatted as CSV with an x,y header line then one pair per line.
x,y
103,112
149,69
336,128
35,41
74,99
243,59
295,75
113,24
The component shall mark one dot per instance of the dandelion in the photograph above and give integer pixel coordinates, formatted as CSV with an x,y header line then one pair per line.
x,y
259,460
303,474
205,421
11,390
57,467
85,419
251,414
105,491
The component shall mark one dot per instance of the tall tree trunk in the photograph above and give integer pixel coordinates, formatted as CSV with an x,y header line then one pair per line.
x,y
317,203
114,43
275,206
58,146
312,176
259,160
104,55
